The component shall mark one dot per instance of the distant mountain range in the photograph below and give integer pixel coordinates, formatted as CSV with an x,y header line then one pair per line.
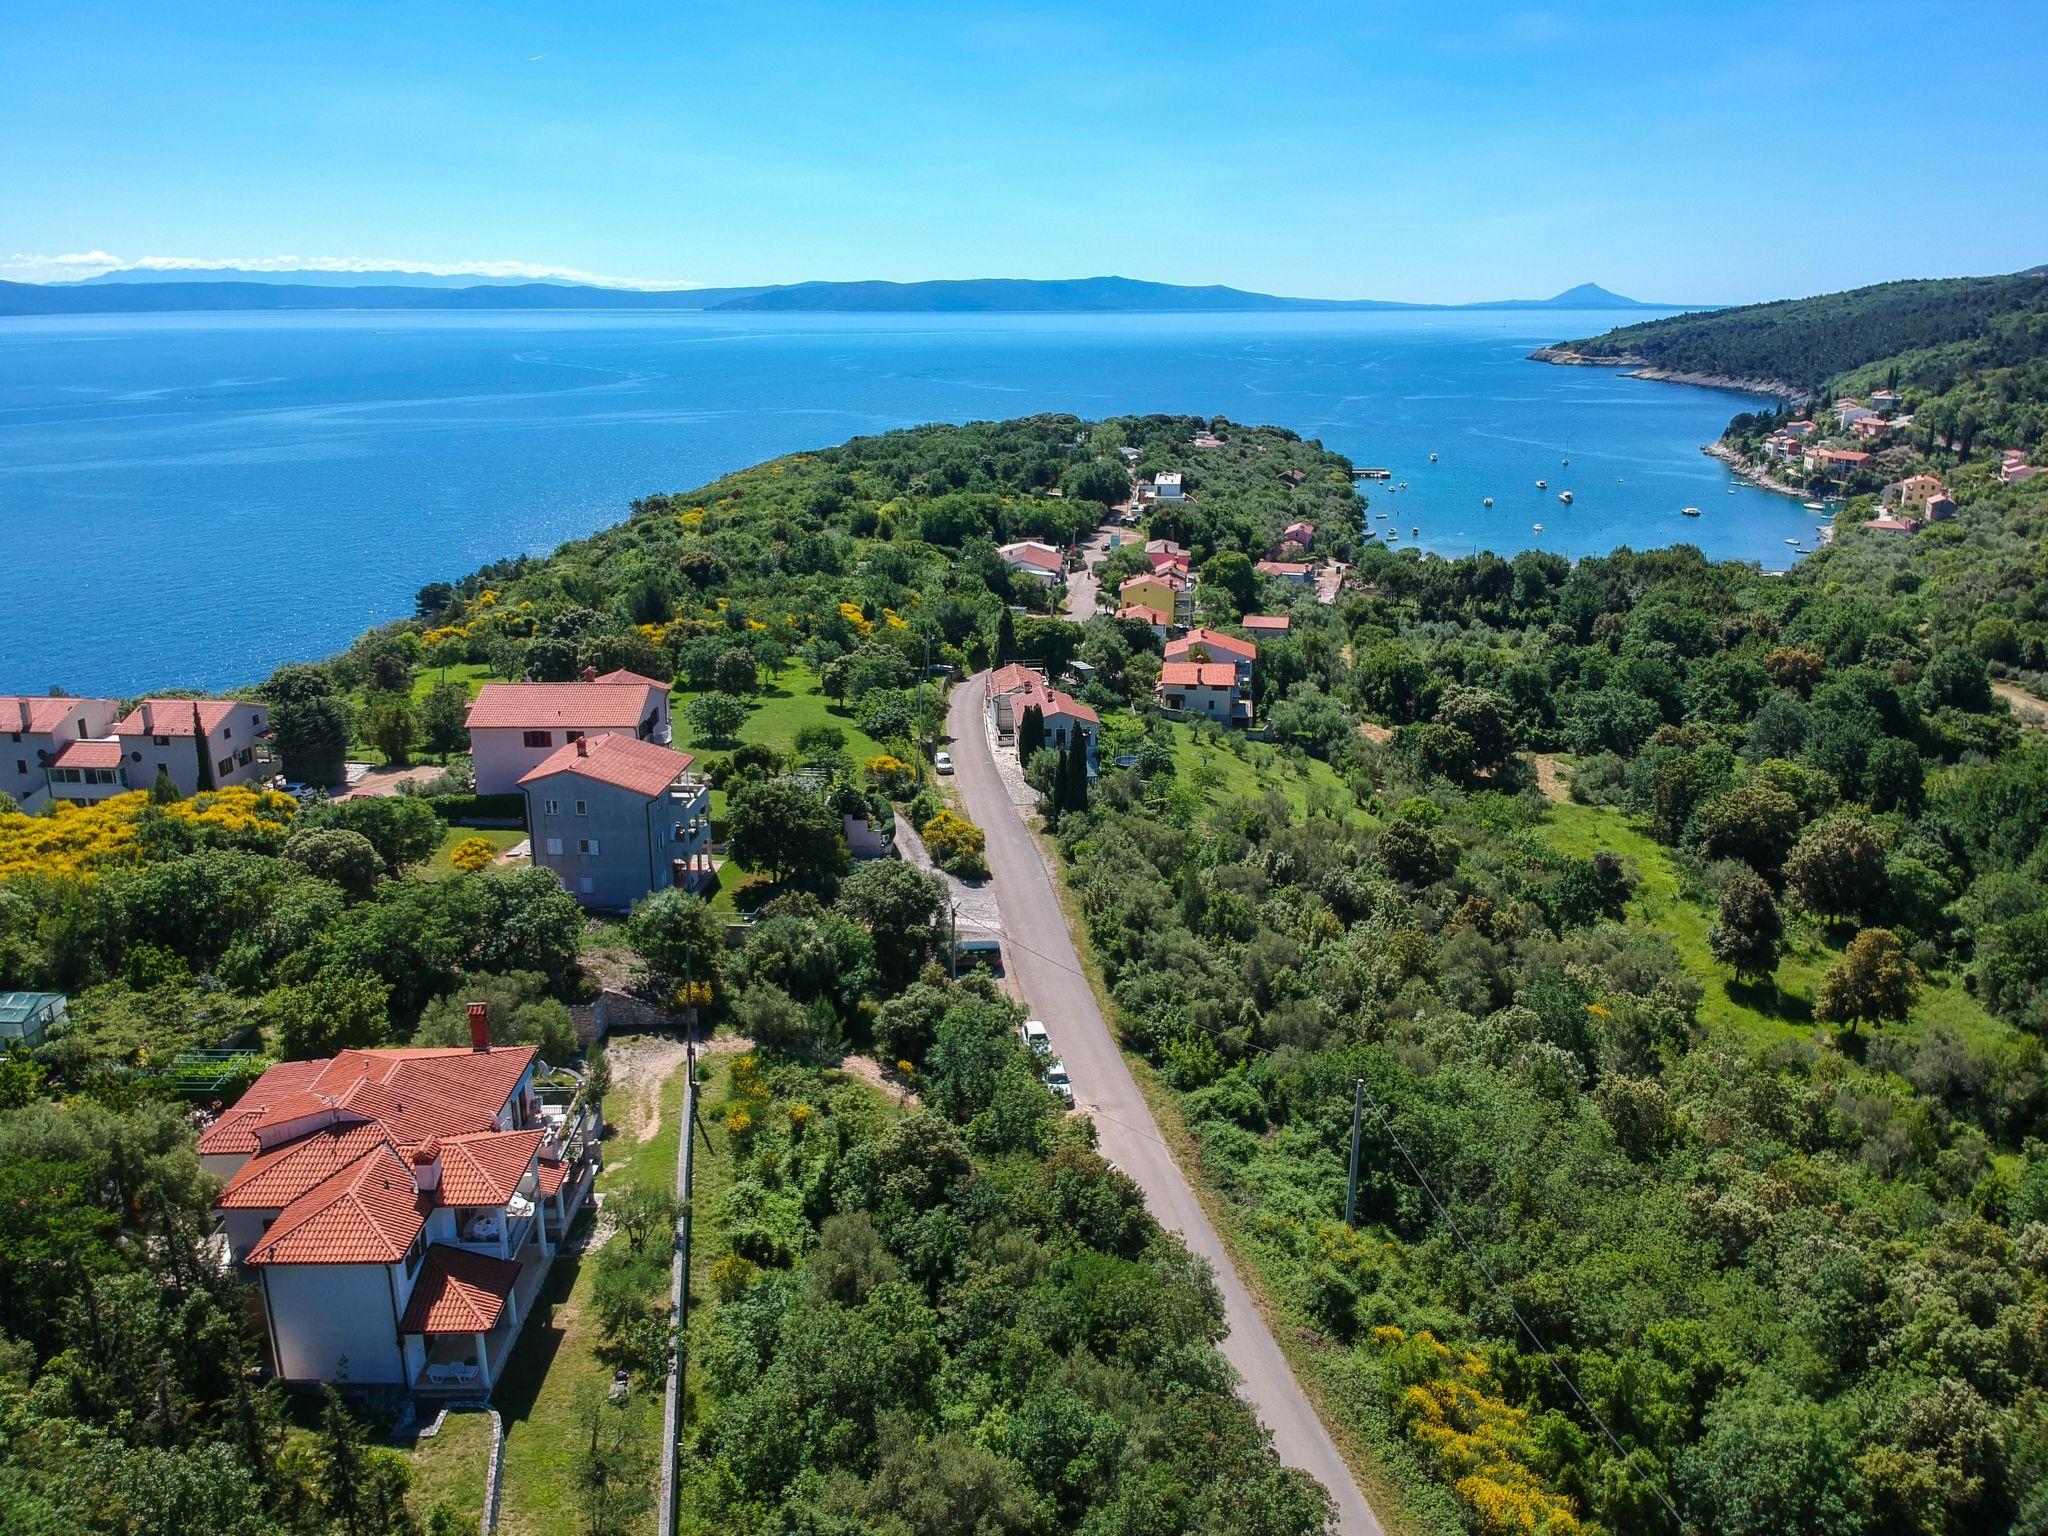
x,y
193,288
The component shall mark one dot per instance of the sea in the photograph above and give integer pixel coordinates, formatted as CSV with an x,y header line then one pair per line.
x,y
190,500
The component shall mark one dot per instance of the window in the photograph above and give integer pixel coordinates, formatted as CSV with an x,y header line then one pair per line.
x,y
582,807
227,766
572,736
245,756
163,768
586,845
551,807
20,765
160,741
415,1253
540,738
587,885
226,732
554,845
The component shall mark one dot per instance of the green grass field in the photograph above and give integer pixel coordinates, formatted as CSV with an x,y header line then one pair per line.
x,y
1262,767
789,700
471,674
450,1468
1761,1015
555,1365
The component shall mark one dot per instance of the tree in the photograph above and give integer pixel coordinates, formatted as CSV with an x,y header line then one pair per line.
x,y
609,1470
821,744
334,853
1075,797
1750,932
391,727
361,1489
1030,732
1873,980
443,716
771,1017
402,828
1755,823
1956,678
716,717
308,724
677,934
956,845
901,909
735,672
785,829
1837,871
1231,571
205,751
334,1011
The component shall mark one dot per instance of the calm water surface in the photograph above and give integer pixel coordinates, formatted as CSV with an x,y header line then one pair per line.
x,y
191,499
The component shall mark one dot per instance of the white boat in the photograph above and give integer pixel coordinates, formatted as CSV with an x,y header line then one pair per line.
x,y
1690,511
1542,485
1815,506
1414,533
1432,458
1487,502
1565,497
1567,463
1793,542
1538,527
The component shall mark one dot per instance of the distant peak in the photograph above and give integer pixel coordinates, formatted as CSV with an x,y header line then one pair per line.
x,y
1591,293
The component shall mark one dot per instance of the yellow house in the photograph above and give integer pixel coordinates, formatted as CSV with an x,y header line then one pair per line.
x,y
1161,593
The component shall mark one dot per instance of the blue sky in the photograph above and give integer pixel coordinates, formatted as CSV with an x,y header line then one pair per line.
x,y
1431,151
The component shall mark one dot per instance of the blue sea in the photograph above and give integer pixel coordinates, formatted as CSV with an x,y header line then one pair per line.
x,y
189,500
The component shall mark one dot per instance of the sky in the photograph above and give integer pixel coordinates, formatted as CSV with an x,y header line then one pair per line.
x,y
1693,152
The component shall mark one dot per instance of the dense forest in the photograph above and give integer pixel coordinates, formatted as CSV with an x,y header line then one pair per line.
x,y
1687,926
1977,322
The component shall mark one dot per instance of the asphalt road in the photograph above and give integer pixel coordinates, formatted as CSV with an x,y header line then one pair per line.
x,y
1040,957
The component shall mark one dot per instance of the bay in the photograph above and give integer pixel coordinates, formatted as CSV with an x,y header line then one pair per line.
x,y
189,500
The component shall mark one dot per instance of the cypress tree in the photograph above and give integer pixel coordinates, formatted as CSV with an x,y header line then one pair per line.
x,y
1006,637
1057,800
1030,732
205,752
1077,781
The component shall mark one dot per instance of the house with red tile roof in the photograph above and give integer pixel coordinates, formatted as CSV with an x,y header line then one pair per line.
x,y
514,727
398,1210
1042,562
1015,688
1214,645
617,818
172,736
1208,688
34,730
1295,571
1147,617
1266,623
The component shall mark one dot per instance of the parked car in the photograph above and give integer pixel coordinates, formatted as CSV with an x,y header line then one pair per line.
x,y
981,951
943,762
1036,1037
1056,1080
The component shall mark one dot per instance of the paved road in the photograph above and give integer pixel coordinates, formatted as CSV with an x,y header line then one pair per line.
x,y
1083,594
1040,958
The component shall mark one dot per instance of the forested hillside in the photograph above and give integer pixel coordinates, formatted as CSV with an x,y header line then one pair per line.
x,y
1947,324
1688,927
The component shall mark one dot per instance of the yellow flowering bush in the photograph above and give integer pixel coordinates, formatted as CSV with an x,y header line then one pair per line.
x,y
473,854
84,839
956,844
860,621
1480,1442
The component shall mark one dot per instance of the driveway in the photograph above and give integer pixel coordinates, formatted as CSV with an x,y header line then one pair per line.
x,y
1039,956
1083,590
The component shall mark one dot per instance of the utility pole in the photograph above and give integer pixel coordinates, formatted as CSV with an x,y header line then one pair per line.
x,y
1357,1121
953,940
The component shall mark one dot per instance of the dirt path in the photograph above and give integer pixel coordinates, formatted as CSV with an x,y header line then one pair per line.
x,y
2030,709
1550,779
641,1064
1376,733
385,781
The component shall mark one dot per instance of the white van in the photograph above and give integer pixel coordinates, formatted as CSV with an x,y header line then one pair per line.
x,y
1036,1037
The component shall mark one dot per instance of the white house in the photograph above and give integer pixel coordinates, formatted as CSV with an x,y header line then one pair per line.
x,y
514,727
1214,645
173,736
1207,688
35,730
399,1210
1037,560
616,818
1015,688
1166,485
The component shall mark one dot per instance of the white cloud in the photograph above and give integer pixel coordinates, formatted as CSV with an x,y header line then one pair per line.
x,y
22,266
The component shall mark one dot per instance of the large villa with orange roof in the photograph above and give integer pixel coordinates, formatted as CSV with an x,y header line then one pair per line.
x,y
398,1209
514,727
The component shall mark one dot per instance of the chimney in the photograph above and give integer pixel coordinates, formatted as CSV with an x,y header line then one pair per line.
x,y
426,1166
479,1027
582,747
148,719
590,674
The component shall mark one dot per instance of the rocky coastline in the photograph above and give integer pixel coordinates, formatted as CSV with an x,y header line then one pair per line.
x,y
1638,367
1755,474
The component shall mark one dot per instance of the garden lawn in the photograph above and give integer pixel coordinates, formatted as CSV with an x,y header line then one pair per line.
x,y
1761,1015
438,867
450,1468
555,1363
471,674
788,701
